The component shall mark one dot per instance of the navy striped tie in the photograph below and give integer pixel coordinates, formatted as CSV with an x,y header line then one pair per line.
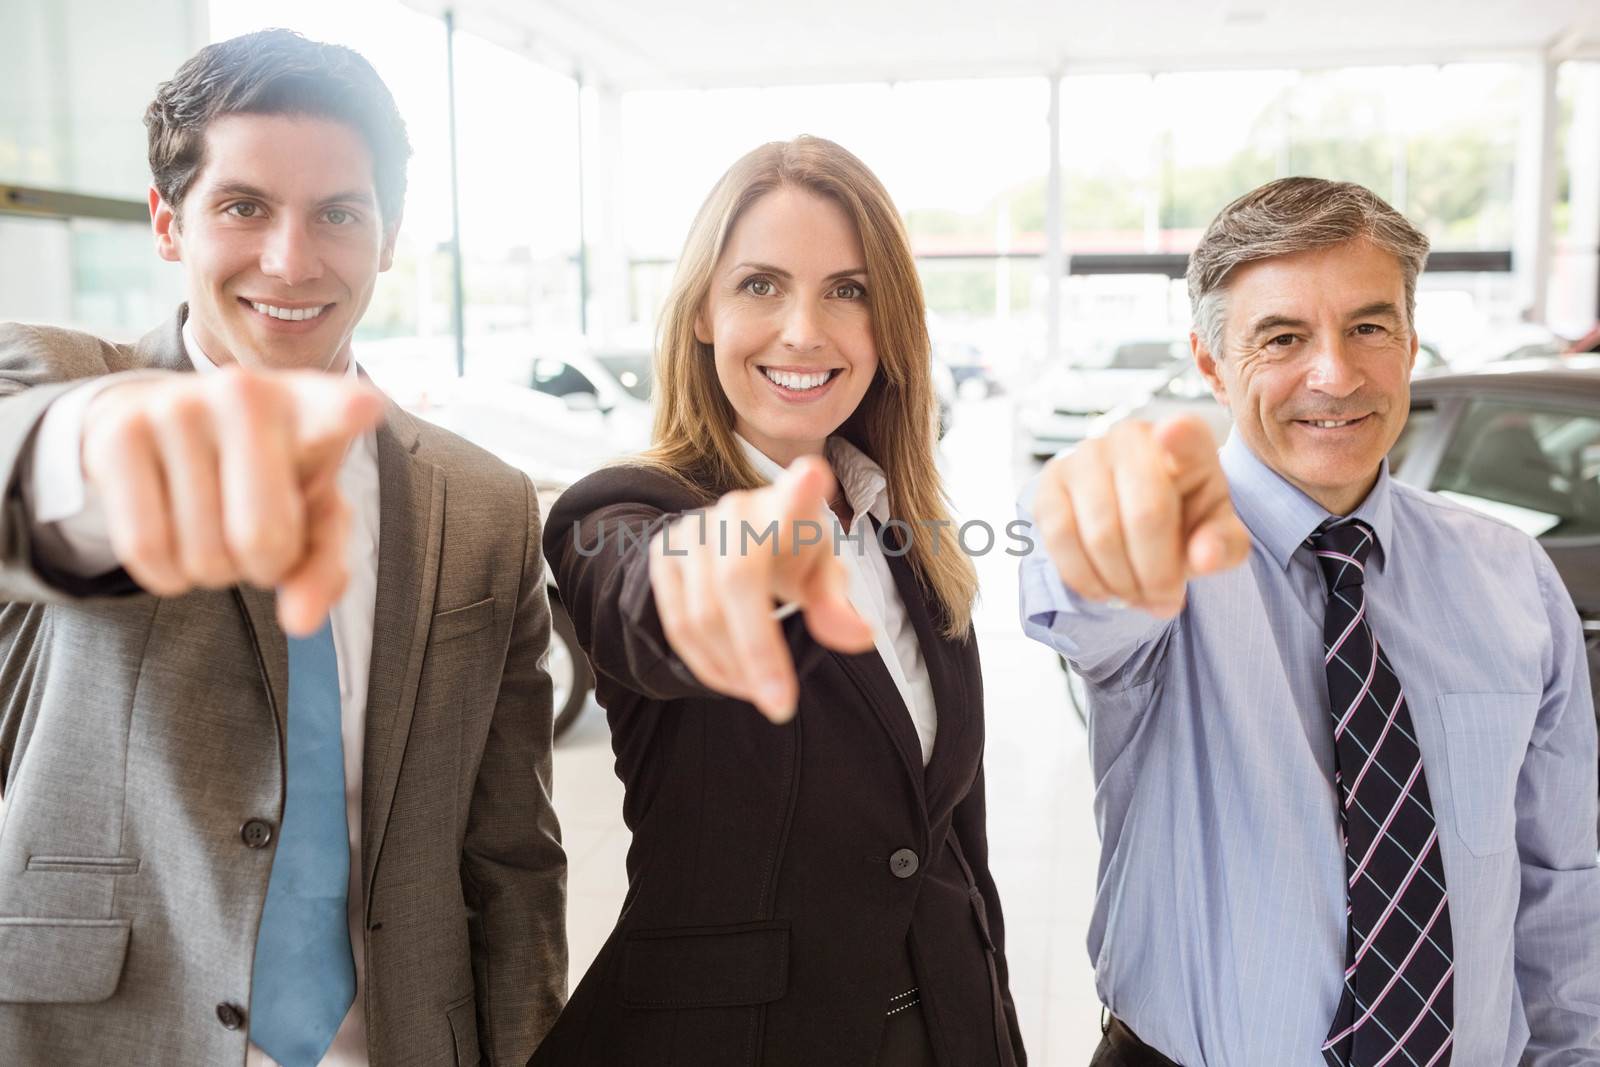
x,y
1398,1004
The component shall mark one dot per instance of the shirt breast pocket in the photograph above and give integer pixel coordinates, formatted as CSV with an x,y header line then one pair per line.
x,y
1486,736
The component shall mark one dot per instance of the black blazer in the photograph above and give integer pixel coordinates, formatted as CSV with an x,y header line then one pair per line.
x,y
784,881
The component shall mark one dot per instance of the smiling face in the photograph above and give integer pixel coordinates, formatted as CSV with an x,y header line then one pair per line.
x,y
281,240
787,319
1315,366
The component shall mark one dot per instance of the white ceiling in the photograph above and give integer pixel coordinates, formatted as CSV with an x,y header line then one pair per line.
x,y
649,44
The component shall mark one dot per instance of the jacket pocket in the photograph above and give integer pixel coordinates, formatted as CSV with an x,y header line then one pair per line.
x,y
463,1018
706,967
61,961
1486,737
459,622
84,864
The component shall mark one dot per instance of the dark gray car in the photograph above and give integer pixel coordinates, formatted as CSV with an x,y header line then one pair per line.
x,y
1520,441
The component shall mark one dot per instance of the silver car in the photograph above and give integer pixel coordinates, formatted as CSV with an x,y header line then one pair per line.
x,y
1071,399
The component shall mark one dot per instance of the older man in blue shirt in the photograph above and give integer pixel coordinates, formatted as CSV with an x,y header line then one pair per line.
x,y
1341,729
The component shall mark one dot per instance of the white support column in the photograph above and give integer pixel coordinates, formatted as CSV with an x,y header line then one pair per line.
x,y
1002,268
1054,258
1575,290
197,15
608,255
1534,191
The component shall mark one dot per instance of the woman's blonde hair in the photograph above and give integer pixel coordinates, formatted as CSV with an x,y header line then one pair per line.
x,y
895,423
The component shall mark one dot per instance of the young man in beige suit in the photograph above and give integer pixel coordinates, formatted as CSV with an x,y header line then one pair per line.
x,y
274,723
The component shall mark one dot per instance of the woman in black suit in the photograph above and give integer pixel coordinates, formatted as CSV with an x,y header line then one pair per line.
x,y
778,613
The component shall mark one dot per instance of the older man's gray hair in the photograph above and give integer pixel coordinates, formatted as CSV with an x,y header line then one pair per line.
x,y
1294,215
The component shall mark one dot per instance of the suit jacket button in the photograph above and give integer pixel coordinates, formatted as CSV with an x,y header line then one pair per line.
x,y
257,833
230,1016
904,863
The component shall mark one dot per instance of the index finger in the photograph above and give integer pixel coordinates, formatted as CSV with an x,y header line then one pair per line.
x,y
759,649
263,509
1191,451
329,413
1217,540
1152,520
308,593
824,599
803,489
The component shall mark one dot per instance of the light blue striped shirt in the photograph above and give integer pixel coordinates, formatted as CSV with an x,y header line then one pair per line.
x,y
1219,922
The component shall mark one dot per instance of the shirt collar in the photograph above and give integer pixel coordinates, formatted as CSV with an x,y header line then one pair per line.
x,y
865,485
1281,517
203,363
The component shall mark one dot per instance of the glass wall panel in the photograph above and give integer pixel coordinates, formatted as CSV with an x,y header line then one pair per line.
x,y
78,74
517,144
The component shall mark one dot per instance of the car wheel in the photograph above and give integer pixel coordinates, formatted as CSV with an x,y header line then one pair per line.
x,y
569,670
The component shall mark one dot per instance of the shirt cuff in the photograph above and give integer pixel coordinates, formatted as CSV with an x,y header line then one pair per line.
x,y
1078,628
68,526
56,484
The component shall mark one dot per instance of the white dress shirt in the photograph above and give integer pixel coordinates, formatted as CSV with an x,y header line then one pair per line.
x,y
873,592
70,530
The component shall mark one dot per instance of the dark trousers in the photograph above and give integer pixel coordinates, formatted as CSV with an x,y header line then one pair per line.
x,y
1121,1047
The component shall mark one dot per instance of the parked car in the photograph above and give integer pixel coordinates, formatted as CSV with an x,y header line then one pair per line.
x,y
533,431
609,392
1519,441
1186,393
1519,341
1071,398
974,378
571,676
944,390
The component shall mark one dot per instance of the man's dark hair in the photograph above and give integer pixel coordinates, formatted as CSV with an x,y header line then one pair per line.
x,y
274,72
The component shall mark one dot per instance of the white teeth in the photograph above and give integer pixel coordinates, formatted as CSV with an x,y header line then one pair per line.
x,y
1329,424
289,314
797,382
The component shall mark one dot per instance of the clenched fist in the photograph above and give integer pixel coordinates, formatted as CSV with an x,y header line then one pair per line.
x,y
716,606
216,480
1133,515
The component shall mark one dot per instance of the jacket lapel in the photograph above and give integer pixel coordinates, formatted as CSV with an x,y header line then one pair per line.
x,y
162,348
870,676
947,664
260,609
410,535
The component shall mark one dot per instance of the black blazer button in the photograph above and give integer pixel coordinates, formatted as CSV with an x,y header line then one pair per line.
x,y
904,863
257,833
230,1016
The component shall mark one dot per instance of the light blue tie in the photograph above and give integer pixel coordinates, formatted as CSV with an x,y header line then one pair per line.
x,y
305,977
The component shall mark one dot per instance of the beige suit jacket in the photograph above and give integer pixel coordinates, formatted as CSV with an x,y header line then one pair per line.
x,y
138,737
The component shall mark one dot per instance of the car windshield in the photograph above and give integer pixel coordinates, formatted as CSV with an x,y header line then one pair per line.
x,y
631,370
1537,350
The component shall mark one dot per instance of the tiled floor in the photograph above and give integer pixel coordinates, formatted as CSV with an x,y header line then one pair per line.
x,y
1041,829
